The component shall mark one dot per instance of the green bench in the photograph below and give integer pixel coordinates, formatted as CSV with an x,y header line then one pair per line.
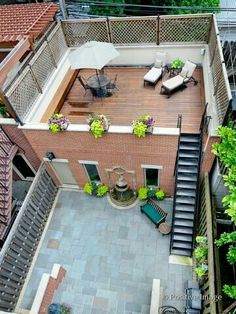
x,y
153,212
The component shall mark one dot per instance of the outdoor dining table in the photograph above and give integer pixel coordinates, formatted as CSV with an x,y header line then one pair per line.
x,y
98,84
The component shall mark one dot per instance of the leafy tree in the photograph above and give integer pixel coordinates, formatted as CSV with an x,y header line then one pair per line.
x,y
108,11
226,152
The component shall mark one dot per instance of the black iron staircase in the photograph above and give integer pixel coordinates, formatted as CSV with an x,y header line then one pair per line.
x,y
185,199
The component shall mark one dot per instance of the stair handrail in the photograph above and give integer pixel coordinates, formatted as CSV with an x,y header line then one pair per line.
x,y
205,120
179,125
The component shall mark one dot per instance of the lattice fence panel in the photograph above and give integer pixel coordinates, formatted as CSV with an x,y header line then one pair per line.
x,y
81,31
184,29
133,31
222,99
42,65
57,44
212,43
23,93
22,241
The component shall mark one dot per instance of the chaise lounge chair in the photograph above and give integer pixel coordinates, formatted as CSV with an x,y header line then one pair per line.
x,y
155,73
153,212
177,82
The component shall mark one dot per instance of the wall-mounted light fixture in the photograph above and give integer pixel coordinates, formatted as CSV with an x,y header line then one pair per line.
x,y
50,156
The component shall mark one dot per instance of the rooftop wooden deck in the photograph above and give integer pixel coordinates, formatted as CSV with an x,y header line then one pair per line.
x,y
133,100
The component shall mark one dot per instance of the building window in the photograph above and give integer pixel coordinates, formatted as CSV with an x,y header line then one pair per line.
x,y
92,172
22,167
151,177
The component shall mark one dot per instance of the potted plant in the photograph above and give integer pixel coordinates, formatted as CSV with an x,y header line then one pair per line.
x,y
58,122
143,125
177,64
96,189
65,308
98,124
160,195
201,254
143,193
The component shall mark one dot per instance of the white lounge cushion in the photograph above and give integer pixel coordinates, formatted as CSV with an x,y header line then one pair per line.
x,y
153,75
173,82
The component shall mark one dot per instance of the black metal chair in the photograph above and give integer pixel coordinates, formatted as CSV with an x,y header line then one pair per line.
x,y
84,84
111,87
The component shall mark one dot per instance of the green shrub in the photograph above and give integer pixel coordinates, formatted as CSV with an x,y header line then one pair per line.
x,y
88,188
201,253
97,129
3,110
102,190
139,129
143,193
201,271
160,195
230,291
152,192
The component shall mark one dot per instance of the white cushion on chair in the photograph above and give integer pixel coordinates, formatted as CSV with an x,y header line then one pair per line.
x,y
153,75
173,82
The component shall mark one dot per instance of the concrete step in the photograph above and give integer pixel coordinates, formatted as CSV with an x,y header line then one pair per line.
x,y
189,138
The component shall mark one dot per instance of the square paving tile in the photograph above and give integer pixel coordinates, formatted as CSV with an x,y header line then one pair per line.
x,y
53,244
111,257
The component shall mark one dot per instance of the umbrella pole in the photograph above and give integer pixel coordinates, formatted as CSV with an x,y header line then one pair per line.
x,y
98,81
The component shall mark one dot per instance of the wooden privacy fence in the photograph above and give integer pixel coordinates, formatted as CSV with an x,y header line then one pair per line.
x,y
26,89
139,30
219,74
21,244
206,228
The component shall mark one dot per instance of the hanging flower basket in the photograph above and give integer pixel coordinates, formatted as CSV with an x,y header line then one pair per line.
x,y
144,125
57,123
98,124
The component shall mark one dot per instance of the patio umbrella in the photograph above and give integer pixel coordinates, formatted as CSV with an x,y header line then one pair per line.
x,y
93,55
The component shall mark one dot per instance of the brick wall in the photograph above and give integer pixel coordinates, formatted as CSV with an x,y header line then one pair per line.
x,y
208,156
50,290
124,150
17,137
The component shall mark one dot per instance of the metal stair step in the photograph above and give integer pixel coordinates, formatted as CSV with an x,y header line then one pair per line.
x,y
186,185
182,230
187,169
186,192
188,154
181,252
189,146
185,200
182,245
189,138
181,215
183,223
185,208
187,162
180,237
186,177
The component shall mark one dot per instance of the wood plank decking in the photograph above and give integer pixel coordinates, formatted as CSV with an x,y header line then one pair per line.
x,y
133,99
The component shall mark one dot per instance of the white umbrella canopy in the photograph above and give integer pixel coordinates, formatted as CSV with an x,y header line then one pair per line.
x,y
93,55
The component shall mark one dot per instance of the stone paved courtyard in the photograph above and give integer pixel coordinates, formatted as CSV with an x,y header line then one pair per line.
x,y
111,257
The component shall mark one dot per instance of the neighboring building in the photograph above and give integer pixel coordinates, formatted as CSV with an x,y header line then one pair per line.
x,y
20,27
186,122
